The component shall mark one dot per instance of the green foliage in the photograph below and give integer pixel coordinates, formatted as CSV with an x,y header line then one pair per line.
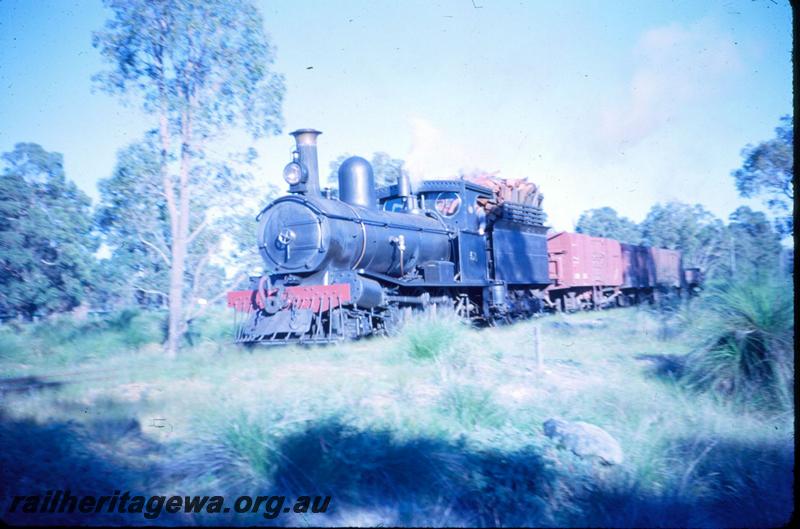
x,y
46,241
768,171
746,343
214,326
66,340
755,244
698,234
473,407
61,329
748,244
236,456
138,328
392,439
605,222
429,336
386,169
210,59
132,215
12,346
203,68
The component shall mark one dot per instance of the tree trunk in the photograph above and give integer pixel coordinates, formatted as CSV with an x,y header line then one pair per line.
x,y
180,241
175,294
176,269
175,298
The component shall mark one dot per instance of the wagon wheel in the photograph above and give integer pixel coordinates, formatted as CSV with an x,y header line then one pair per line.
x,y
496,320
393,321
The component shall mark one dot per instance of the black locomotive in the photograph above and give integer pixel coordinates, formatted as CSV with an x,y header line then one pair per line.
x,y
341,268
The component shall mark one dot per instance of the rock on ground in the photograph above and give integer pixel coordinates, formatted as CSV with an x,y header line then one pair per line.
x,y
585,440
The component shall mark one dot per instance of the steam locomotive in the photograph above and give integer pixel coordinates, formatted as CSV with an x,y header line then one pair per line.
x,y
358,264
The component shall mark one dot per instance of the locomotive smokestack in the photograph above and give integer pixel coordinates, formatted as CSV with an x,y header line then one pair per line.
x,y
306,140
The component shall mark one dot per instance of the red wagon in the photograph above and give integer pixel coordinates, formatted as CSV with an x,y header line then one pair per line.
x,y
638,270
668,268
584,270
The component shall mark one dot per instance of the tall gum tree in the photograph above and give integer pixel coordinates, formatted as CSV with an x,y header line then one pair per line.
x,y
200,67
768,171
133,219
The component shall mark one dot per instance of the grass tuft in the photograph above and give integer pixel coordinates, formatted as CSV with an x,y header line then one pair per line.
x,y
12,346
431,335
473,407
745,335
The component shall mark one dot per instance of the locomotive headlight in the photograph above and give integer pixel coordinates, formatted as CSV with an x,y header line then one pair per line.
x,y
293,173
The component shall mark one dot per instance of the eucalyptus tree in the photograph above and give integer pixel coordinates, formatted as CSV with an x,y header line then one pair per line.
x,y
201,68
697,233
133,217
755,244
606,222
768,171
46,241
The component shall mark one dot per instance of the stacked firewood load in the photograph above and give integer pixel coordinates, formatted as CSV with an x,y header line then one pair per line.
x,y
514,190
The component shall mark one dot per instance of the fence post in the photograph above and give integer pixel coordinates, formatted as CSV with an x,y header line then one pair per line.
x,y
537,346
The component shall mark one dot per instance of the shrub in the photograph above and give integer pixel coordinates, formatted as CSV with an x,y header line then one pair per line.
x,y
472,407
140,328
12,346
430,335
61,328
122,319
745,337
215,326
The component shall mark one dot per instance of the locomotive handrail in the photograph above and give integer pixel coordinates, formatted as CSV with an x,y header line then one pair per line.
x,y
258,217
444,231
389,224
436,215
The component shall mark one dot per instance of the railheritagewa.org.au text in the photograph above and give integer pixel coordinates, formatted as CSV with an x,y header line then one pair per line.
x,y
151,507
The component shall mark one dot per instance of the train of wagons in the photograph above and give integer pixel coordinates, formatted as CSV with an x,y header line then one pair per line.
x,y
344,267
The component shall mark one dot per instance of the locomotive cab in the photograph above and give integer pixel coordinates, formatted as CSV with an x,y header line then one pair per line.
x,y
455,203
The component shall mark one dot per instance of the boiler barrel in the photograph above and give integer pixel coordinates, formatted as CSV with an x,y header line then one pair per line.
x,y
306,234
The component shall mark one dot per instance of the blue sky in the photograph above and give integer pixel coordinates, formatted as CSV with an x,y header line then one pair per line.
x,y
619,104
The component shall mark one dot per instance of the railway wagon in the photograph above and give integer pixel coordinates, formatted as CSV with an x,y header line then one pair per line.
x,y
668,268
645,268
585,271
647,272
592,272
638,270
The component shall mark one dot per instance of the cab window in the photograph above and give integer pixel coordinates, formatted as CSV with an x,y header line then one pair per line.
x,y
447,203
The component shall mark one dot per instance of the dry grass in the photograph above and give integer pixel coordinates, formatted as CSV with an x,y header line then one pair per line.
x,y
440,425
